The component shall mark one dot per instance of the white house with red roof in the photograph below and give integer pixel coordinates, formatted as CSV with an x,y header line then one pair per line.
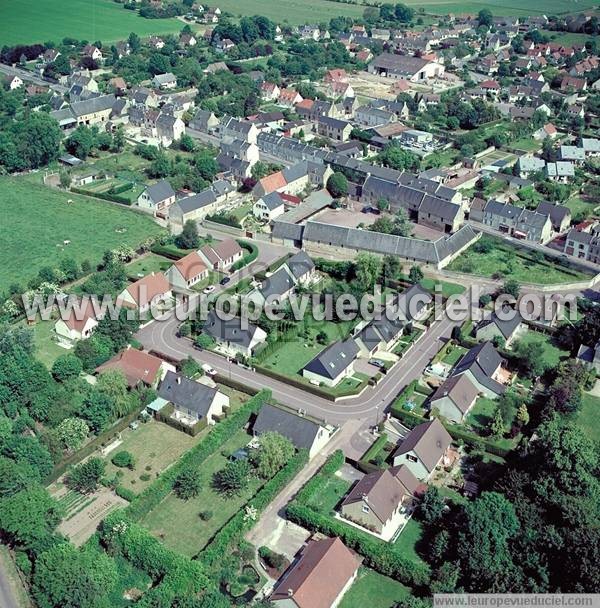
x,y
545,132
187,271
269,91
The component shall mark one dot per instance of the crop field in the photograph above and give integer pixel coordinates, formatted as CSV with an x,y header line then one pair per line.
x,y
36,221
29,21
502,7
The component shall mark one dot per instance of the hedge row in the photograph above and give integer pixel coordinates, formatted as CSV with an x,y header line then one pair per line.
x,y
223,431
374,450
119,189
168,251
378,554
226,220
177,575
247,258
115,198
235,527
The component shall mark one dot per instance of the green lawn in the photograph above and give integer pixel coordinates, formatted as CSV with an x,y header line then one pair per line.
x,y
453,354
510,262
588,417
147,264
154,446
407,542
482,413
526,144
46,348
552,354
36,220
30,21
373,589
329,495
580,208
177,522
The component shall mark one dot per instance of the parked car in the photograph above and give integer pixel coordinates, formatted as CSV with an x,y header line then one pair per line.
x,y
208,289
377,363
225,280
208,370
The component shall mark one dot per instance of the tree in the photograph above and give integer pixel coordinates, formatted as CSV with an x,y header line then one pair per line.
x,y
415,274
28,516
497,425
383,204
523,415
395,157
368,270
72,432
81,142
233,478
66,367
391,267
485,17
123,459
402,225
67,577
85,477
511,288
189,238
189,367
186,143
490,522
337,184
531,357
204,341
274,451
432,505
113,384
187,484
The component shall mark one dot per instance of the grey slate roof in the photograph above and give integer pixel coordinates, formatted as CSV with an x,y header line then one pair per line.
x,y
272,200
160,191
413,300
300,431
505,326
332,361
277,285
229,330
428,441
197,201
482,361
186,393
300,264
96,104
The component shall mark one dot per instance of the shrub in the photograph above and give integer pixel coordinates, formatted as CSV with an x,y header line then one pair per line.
x,y
123,460
125,493
205,515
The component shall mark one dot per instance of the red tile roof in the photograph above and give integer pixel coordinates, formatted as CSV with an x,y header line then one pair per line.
x,y
273,182
190,266
144,290
87,312
137,366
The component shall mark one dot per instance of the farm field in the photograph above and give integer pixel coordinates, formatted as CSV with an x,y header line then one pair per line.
x,y
36,220
502,7
177,522
31,21
373,589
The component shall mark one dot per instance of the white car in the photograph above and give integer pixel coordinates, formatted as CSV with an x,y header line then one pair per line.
x,y
208,370
208,289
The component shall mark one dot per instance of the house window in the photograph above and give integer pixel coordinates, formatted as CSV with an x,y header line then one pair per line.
x,y
366,509
411,458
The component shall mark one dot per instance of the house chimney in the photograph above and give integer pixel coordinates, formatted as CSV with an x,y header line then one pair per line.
x,y
290,592
178,379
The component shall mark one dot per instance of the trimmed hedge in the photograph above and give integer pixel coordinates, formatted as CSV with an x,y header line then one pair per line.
x,y
225,219
223,431
126,493
378,555
375,449
168,251
114,198
237,525
247,258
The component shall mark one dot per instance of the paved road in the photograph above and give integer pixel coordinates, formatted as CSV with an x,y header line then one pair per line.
x,y
27,76
8,599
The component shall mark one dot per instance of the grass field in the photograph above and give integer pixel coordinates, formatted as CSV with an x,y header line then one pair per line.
x,y
177,523
513,263
29,21
147,264
552,355
373,589
329,495
46,348
408,540
36,220
154,446
588,417
502,7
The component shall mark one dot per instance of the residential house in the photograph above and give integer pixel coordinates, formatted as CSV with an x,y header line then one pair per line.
x,y
204,121
157,198
584,245
518,222
238,129
192,401
195,207
165,81
506,327
319,579
151,290
438,213
79,325
333,128
413,305
560,215
454,398
275,289
187,40
304,433
423,449
269,207
382,501
221,255
92,52
548,131
379,334
13,82
483,365
289,98
224,46
302,268
269,91
233,337
589,356
169,128
187,271
571,154
138,367
332,364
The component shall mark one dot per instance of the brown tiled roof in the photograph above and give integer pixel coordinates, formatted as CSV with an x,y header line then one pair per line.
x,y
145,289
319,576
137,366
461,391
227,248
429,441
273,182
87,312
384,490
190,266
